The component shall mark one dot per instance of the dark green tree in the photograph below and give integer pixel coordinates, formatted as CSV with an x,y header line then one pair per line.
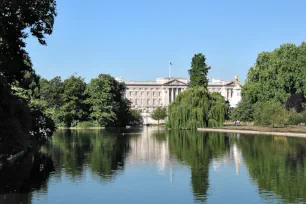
x,y
18,19
135,118
52,92
198,71
159,114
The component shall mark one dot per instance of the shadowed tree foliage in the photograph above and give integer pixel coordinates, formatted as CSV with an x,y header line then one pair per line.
x,y
296,101
23,123
135,118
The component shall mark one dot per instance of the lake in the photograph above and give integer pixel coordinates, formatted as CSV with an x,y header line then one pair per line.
x,y
151,165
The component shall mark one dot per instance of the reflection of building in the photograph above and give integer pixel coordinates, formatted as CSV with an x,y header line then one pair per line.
x,y
234,156
147,148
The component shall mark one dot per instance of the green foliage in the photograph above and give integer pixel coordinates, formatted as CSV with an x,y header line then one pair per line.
x,y
106,100
295,118
243,111
88,124
22,122
52,91
16,18
196,108
270,113
73,108
279,76
198,72
135,117
159,114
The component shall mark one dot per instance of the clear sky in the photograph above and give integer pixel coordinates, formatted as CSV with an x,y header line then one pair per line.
x,y
135,39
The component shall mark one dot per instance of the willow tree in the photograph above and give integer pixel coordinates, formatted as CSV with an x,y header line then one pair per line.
x,y
196,107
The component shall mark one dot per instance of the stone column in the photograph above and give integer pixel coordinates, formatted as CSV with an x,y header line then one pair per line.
x,y
172,95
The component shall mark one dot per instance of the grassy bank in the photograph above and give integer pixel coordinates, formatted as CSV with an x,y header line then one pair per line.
x,y
293,129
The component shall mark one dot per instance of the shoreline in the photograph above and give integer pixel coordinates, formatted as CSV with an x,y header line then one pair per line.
x,y
253,132
80,128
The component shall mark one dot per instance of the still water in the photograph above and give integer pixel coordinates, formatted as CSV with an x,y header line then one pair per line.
x,y
151,165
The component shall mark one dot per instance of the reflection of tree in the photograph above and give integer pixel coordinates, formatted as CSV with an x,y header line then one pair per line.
x,y
277,164
197,149
18,181
101,151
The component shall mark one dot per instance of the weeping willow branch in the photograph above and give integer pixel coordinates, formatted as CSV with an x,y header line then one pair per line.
x,y
197,108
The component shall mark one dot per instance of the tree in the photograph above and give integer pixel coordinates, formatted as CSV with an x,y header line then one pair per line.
x,y
276,75
159,114
107,103
22,120
52,92
270,113
243,111
73,108
198,72
196,108
135,118
16,18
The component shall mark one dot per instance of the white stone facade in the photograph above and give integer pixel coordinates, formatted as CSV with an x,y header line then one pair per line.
x,y
148,95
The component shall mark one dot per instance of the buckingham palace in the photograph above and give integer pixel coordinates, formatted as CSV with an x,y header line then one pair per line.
x,y
148,95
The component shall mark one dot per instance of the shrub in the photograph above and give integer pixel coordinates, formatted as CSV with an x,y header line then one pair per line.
x,y
88,124
270,113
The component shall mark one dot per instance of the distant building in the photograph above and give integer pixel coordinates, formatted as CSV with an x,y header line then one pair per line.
x,y
148,95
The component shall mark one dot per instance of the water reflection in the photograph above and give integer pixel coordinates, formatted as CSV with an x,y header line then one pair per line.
x,y
277,164
197,150
102,152
142,161
17,182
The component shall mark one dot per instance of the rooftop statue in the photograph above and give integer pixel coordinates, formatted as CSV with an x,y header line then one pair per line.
x,y
236,81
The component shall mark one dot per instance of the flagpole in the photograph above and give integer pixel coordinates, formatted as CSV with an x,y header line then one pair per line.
x,y
169,69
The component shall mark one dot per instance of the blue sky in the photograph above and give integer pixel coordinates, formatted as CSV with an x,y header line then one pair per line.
x,y
135,39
